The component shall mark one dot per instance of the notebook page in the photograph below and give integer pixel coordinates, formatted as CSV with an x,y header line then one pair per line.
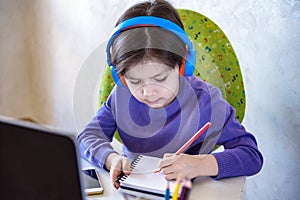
x,y
143,177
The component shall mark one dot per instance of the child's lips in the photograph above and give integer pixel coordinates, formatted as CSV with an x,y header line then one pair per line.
x,y
152,102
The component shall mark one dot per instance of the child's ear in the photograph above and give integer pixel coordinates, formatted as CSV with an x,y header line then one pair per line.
x,y
176,68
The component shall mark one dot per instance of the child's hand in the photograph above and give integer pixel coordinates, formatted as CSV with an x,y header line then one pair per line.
x,y
117,165
189,166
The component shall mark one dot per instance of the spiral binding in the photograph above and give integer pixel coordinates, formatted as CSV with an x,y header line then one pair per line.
x,y
132,166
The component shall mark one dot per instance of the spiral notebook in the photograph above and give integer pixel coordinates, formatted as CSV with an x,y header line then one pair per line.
x,y
143,182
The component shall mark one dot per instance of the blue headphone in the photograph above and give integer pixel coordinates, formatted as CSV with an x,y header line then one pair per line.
x,y
186,69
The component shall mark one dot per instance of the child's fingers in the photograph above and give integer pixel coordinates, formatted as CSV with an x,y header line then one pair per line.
x,y
167,160
126,166
171,176
166,155
114,174
121,164
116,185
168,170
116,171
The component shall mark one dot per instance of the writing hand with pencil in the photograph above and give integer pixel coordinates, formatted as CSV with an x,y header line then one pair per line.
x,y
190,166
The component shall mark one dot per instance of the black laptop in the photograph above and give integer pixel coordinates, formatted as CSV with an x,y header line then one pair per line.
x,y
37,163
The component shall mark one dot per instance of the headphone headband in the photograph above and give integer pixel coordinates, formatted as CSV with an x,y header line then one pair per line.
x,y
150,21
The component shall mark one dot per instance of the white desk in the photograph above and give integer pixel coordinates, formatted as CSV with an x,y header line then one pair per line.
x,y
203,187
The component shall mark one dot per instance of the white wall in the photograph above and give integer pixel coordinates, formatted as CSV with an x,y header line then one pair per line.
x,y
14,73
45,46
266,37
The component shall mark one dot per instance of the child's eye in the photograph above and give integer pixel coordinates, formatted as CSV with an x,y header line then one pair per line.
x,y
135,82
161,79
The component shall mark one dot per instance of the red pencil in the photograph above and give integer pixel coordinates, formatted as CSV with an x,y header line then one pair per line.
x,y
190,141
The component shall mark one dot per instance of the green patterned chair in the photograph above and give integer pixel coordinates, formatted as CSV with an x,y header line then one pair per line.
x,y
216,61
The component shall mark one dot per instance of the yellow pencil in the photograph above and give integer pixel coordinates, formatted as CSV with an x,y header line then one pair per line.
x,y
176,190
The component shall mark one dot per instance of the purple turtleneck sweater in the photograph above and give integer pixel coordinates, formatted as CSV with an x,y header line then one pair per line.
x,y
153,132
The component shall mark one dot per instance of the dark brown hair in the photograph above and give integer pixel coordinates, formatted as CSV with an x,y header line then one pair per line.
x,y
142,44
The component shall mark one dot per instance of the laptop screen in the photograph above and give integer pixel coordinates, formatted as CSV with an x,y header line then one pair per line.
x,y
36,163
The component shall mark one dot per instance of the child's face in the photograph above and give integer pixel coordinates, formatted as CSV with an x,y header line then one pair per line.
x,y
153,83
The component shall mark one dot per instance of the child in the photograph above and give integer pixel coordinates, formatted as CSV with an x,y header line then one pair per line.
x,y
157,104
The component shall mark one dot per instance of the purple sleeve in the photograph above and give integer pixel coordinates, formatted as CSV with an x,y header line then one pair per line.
x,y
94,140
241,156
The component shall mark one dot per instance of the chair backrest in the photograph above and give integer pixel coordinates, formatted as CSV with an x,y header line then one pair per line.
x,y
216,62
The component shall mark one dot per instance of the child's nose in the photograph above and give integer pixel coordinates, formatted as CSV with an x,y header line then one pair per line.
x,y
148,90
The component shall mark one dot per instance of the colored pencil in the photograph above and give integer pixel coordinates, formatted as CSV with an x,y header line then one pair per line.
x,y
176,190
185,189
167,194
190,141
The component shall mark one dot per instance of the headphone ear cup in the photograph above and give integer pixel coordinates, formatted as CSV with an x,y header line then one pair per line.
x,y
182,67
188,69
122,80
118,78
189,62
